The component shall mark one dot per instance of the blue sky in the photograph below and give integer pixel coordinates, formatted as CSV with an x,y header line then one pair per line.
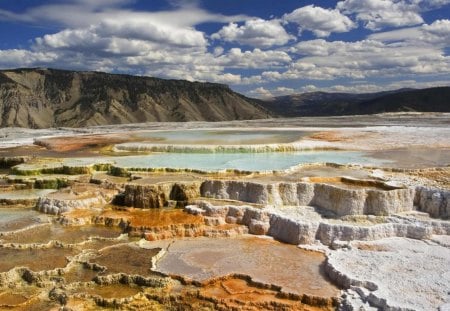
x,y
261,48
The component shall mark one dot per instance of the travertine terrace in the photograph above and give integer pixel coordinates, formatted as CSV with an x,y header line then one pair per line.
x,y
318,214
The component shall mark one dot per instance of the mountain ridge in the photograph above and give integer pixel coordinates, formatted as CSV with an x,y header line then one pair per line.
x,y
44,98
334,104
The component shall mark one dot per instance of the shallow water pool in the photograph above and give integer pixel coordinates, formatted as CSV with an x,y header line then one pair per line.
x,y
26,194
15,218
243,161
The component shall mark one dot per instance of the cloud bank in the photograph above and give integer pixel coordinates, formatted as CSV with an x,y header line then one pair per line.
x,y
354,46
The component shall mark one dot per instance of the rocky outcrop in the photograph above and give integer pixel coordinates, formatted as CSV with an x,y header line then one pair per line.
x,y
82,196
433,201
23,203
339,200
362,201
327,233
146,196
8,162
59,206
255,219
304,230
292,231
237,190
43,98
188,231
159,195
47,181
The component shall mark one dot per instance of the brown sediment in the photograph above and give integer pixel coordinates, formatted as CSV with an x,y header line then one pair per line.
x,y
18,224
11,299
78,273
28,219
193,230
32,304
331,136
125,258
34,151
81,142
79,213
440,177
38,305
241,293
349,139
116,291
151,218
162,224
148,218
264,260
34,259
64,234
152,224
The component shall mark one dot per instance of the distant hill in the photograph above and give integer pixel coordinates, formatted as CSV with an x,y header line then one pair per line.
x,y
330,104
43,98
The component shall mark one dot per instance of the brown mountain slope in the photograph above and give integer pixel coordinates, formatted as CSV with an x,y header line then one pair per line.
x,y
42,98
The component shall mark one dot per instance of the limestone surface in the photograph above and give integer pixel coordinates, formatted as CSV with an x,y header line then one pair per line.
x,y
131,233
339,199
80,196
305,225
394,273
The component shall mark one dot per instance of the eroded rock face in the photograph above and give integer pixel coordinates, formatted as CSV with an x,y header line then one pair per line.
x,y
235,190
292,231
307,230
43,98
8,162
433,201
146,196
58,206
80,196
339,200
159,195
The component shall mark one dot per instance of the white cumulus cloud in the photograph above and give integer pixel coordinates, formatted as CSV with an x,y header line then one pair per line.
x,y
379,14
236,58
261,92
436,34
255,32
324,60
322,22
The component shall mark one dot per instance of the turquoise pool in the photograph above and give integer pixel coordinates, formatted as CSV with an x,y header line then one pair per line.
x,y
243,161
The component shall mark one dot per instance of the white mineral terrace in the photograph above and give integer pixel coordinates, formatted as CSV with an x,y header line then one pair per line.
x,y
284,214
